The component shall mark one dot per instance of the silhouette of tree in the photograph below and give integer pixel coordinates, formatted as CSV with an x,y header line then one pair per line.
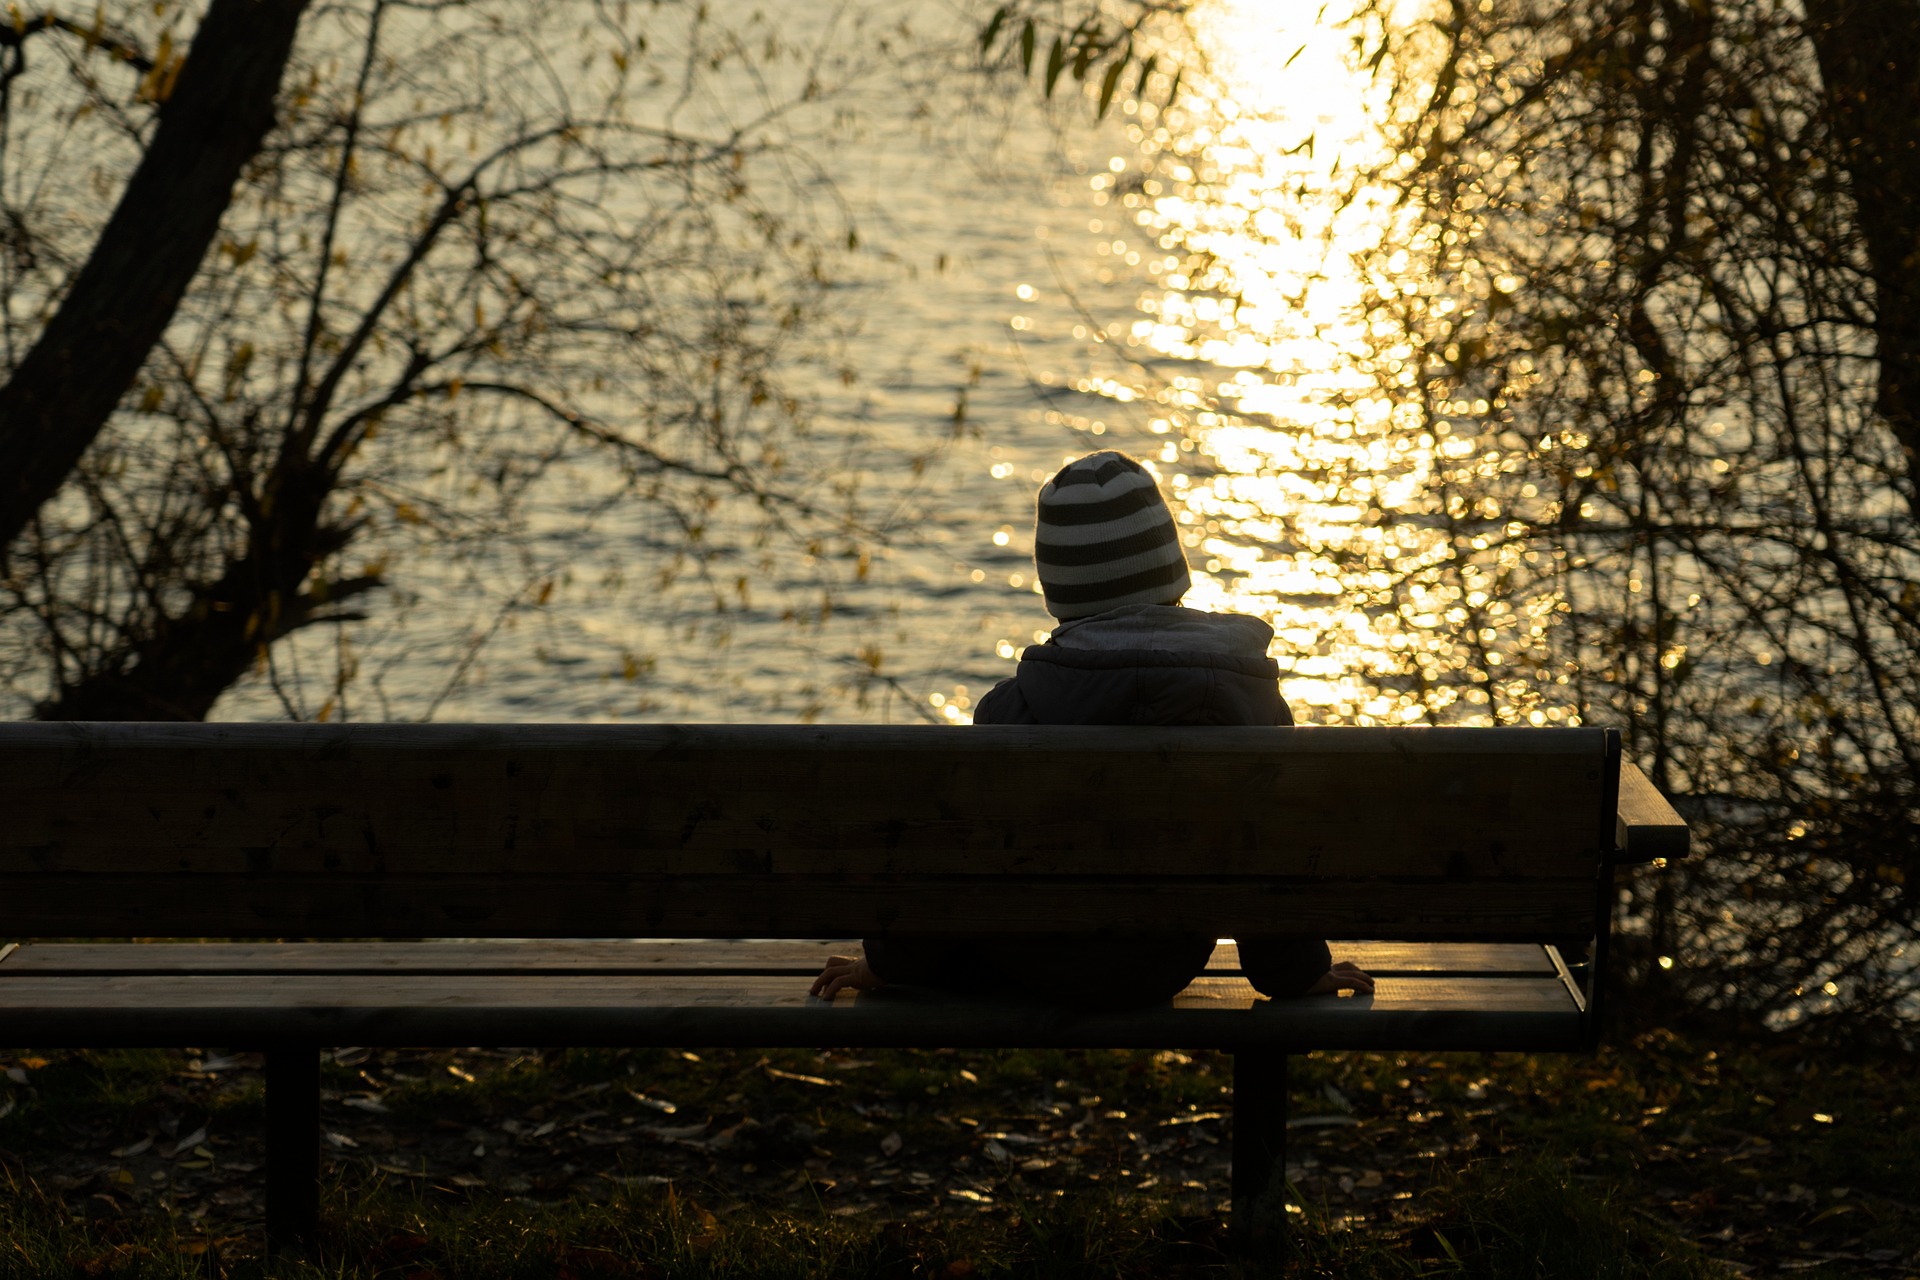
x,y
210,111
483,244
1660,290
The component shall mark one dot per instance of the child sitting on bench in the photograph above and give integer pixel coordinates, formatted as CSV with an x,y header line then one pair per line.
x,y
1125,652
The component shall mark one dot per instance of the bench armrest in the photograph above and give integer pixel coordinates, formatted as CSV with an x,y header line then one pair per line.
x,y
1646,825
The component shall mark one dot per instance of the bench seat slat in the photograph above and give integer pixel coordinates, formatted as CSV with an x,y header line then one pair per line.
x,y
745,956
546,1009
343,906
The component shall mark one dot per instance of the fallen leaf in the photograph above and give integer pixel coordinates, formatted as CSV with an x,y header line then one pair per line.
x,y
599,1262
658,1104
188,1143
133,1149
403,1243
730,1135
365,1102
778,1074
891,1144
637,1183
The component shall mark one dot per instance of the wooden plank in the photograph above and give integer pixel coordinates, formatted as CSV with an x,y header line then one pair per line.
x,y
644,956
1408,959
771,907
1647,827
124,995
678,800
7,951
639,956
54,750
1486,1013
985,845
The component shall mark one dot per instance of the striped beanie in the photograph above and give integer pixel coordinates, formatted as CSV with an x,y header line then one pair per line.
x,y
1103,538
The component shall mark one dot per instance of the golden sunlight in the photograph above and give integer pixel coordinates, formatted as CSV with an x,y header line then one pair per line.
x,y
1284,436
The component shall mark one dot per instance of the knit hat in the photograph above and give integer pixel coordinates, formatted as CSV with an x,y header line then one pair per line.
x,y
1103,538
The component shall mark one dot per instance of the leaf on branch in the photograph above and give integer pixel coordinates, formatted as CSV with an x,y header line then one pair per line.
x,y
1108,84
1026,48
1146,74
157,85
1056,62
992,29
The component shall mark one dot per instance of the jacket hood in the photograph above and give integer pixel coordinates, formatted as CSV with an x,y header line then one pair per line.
x,y
1144,664
1167,628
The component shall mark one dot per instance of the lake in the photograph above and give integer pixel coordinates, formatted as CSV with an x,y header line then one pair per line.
x,y
1172,284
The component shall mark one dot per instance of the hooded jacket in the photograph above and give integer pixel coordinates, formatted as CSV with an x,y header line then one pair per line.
x,y
1144,664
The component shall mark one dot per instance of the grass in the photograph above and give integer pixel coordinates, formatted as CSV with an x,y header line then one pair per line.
x,y
1496,1227
1659,1157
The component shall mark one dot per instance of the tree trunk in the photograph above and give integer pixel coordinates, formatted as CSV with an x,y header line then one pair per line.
x,y
121,301
180,670
1869,55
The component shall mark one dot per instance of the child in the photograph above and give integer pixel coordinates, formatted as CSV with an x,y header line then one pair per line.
x,y
1112,572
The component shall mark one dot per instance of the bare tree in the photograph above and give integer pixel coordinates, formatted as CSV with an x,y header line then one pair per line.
x,y
213,108
485,240
1657,280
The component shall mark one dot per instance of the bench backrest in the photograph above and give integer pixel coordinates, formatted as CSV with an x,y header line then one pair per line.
x,y
790,831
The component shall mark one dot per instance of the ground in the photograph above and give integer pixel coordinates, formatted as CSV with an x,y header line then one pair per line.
x,y
1684,1159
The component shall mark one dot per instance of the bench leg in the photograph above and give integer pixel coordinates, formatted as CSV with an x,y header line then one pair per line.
x,y
293,1146
1259,1221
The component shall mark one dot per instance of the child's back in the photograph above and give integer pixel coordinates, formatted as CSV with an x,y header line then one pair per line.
x,y
1125,652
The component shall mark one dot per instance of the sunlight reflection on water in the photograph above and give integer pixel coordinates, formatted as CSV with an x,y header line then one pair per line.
x,y
1181,285
1302,462
1250,334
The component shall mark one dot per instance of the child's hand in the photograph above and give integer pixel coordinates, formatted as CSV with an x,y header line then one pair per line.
x,y
1344,976
845,971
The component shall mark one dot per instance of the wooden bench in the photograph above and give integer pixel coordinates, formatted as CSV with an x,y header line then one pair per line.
x,y
725,849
